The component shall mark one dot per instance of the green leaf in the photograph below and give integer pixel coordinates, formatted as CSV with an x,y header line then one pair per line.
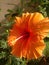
x,y
46,51
2,55
10,10
3,44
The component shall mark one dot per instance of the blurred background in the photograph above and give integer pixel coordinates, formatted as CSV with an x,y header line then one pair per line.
x,y
5,5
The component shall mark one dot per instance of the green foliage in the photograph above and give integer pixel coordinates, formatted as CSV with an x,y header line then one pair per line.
x,y
46,51
26,6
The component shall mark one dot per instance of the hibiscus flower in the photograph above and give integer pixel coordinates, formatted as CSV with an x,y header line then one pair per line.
x,y
27,35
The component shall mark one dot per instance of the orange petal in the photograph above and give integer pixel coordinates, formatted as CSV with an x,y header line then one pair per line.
x,y
15,33
25,20
22,21
19,49
37,17
18,21
43,27
35,49
11,40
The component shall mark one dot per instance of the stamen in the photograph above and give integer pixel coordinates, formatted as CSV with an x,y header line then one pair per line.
x,y
22,36
17,39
